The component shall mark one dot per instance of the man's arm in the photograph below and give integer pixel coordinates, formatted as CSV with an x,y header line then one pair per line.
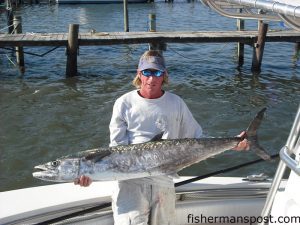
x,y
189,127
118,135
118,125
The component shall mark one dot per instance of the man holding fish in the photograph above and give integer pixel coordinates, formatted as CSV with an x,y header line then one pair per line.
x,y
137,117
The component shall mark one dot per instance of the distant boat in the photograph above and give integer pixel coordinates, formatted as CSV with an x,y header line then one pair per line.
x,y
97,1
287,11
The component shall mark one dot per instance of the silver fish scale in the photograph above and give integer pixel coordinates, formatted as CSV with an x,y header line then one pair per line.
x,y
165,156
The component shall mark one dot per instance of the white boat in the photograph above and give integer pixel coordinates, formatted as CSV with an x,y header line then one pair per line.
x,y
97,1
215,200
207,198
287,11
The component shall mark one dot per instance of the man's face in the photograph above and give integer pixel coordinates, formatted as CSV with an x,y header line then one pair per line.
x,y
151,83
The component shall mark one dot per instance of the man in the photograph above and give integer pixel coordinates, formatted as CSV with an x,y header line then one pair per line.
x,y
137,117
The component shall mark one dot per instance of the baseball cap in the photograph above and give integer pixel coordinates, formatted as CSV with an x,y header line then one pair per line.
x,y
152,62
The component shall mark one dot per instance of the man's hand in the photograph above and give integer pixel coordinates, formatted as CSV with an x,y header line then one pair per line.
x,y
83,181
243,145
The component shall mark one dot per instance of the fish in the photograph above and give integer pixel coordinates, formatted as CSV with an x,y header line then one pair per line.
x,y
153,158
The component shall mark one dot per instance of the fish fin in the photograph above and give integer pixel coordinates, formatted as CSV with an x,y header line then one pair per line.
x,y
255,123
251,135
157,137
97,155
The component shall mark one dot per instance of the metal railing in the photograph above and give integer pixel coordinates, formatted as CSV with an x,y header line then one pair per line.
x,y
292,146
276,10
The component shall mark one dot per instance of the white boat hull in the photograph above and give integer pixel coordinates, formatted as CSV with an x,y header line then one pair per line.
x,y
208,198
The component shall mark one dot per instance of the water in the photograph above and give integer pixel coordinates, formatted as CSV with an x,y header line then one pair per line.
x,y
43,115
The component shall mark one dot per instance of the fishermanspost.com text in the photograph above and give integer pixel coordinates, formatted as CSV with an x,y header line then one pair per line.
x,y
251,220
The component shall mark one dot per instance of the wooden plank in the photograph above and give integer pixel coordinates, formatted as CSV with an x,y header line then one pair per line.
x,y
27,37
38,37
135,38
22,37
16,37
61,37
34,37
114,38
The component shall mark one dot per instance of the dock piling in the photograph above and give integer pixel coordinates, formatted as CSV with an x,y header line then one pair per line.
x,y
297,49
126,23
17,22
160,46
10,19
258,49
240,46
152,22
72,50
152,28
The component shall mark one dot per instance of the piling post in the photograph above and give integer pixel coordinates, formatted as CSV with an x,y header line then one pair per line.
x,y
17,22
72,50
240,46
258,48
152,28
297,49
152,22
126,22
10,19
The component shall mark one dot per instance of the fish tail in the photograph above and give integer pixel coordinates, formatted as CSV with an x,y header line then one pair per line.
x,y
251,135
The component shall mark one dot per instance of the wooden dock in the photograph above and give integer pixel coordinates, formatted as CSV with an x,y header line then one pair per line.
x,y
157,40
115,38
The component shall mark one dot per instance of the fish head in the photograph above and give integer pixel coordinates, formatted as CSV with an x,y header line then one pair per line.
x,y
60,170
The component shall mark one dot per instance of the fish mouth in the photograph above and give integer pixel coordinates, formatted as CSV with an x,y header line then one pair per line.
x,y
44,173
40,168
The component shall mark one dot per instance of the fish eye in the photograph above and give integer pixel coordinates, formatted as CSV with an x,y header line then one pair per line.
x,y
55,163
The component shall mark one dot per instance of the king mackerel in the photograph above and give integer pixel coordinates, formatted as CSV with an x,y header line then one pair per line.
x,y
153,158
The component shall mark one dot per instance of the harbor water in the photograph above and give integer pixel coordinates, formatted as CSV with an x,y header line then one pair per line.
x,y
44,115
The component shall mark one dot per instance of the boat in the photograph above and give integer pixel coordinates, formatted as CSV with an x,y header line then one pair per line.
x,y
214,200
67,203
287,11
97,1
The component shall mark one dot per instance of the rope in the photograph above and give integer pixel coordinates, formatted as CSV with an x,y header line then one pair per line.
x,y
209,56
6,27
221,171
10,60
30,53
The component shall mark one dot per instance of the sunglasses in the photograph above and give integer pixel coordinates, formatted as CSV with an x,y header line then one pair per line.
x,y
156,73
